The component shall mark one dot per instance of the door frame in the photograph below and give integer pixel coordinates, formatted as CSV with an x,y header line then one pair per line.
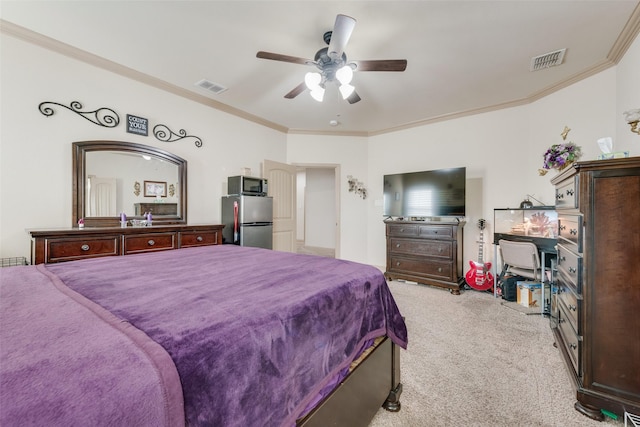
x,y
336,175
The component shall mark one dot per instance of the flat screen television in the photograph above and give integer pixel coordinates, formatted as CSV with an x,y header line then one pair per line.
x,y
423,194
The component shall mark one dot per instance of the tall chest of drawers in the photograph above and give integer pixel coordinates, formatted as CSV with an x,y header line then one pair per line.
x,y
428,253
598,325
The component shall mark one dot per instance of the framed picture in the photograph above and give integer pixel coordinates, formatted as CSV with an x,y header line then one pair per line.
x,y
155,188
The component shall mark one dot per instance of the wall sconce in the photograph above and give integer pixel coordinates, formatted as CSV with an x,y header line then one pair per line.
x,y
633,117
357,187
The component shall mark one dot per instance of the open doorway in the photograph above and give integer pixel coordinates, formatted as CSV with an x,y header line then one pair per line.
x,y
317,210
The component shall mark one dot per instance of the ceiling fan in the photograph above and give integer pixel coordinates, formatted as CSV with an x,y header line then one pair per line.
x,y
333,65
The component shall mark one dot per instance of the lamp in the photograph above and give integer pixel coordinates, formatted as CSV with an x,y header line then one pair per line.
x,y
314,82
633,117
344,76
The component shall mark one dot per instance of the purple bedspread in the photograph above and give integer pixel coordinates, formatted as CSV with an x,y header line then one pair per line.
x,y
65,361
254,334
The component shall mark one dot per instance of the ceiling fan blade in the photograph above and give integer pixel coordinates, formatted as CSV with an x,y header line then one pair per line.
x,y
284,58
296,91
340,36
353,98
381,65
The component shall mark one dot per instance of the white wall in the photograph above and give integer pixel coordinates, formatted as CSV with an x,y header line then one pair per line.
x,y
502,150
35,173
351,154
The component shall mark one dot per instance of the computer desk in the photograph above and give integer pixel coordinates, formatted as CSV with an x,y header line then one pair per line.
x,y
547,248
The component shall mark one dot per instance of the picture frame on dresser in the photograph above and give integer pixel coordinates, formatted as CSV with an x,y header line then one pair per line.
x,y
155,188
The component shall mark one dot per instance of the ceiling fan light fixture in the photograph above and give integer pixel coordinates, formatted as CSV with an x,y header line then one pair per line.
x,y
346,90
344,75
318,93
312,80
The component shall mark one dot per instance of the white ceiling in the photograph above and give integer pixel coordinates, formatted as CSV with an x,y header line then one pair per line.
x,y
463,56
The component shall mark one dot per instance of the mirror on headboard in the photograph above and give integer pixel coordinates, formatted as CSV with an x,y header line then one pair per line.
x,y
111,177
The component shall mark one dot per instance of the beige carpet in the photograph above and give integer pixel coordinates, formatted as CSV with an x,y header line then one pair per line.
x,y
472,361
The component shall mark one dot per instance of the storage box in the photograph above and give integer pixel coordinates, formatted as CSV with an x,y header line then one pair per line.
x,y
529,294
615,155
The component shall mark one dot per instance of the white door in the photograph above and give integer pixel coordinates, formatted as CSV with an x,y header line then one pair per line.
x,y
102,197
282,187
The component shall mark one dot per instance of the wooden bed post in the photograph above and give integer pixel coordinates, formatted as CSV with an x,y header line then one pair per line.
x,y
392,403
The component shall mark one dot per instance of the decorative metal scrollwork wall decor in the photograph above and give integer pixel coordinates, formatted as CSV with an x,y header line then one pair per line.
x,y
104,117
163,133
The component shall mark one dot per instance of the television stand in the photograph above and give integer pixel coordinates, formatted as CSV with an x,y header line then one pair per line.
x,y
429,253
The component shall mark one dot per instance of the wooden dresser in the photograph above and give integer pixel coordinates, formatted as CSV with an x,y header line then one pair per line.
x,y
425,252
156,208
49,246
598,325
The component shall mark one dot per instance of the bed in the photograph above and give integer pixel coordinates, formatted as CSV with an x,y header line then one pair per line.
x,y
214,335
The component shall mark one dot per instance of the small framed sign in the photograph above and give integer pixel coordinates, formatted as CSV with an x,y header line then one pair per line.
x,y
155,189
137,125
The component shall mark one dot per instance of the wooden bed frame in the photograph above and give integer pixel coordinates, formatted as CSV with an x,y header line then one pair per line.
x,y
375,382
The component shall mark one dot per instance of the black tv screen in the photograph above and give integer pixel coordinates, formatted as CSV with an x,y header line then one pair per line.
x,y
425,194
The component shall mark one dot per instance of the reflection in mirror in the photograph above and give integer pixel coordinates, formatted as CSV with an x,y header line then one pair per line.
x,y
112,177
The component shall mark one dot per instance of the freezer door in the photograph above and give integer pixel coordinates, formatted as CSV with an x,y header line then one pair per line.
x,y
256,235
255,209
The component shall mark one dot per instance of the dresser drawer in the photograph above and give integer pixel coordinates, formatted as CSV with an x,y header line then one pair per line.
x,y
149,242
570,231
572,305
567,195
58,250
198,238
435,232
403,230
570,267
570,338
440,270
429,248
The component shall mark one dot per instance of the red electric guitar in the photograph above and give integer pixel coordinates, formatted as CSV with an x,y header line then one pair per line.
x,y
479,277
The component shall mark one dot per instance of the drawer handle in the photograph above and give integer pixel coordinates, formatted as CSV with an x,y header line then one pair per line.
x,y
151,243
199,239
559,196
397,263
397,245
562,259
570,192
573,346
562,320
402,230
440,249
573,231
572,270
572,307
562,227
84,247
439,269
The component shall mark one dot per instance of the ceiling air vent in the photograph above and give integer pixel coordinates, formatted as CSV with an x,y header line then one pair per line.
x,y
547,60
211,86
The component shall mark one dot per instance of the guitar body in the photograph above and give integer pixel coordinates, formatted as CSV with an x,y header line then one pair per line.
x,y
479,277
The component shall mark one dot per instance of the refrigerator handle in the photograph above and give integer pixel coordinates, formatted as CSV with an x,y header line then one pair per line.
x,y
235,222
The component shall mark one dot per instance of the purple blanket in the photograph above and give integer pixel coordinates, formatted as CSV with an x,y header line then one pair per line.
x,y
65,361
254,334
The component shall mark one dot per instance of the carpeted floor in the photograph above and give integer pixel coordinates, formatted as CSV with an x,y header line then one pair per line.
x,y
472,361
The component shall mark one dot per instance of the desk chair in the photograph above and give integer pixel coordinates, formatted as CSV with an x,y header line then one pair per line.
x,y
519,259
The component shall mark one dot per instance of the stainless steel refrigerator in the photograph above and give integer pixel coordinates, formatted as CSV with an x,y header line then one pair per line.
x,y
248,221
